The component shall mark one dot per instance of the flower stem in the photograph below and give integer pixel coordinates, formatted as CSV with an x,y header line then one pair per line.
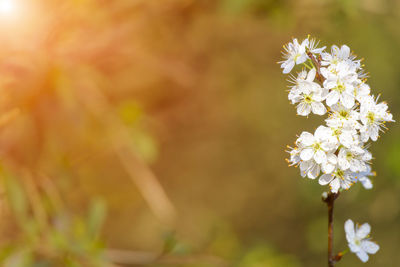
x,y
307,66
330,200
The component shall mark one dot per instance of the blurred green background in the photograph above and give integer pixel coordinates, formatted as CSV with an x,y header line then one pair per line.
x,y
152,133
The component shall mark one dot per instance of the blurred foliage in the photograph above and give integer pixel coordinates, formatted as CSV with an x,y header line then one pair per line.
x,y
49,236
174,113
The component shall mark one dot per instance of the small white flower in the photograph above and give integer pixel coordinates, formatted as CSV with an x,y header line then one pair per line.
x,y
316,146
338,56
355,159
330,164
311,102
294,53
308,93
337,179
342,117
340,85
373,116
358,240
346,137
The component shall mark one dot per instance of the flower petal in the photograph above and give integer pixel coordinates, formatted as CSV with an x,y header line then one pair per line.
x,y
314,171
303,109
306,139
325,179
347,100
288,66
320,157
362,255
318,108
311,75
344,52
369,246
366,182
332,98
363,231
307,154
349,229
328,167
335,185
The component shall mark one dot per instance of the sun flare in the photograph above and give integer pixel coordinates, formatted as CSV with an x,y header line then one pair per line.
x,y
7,7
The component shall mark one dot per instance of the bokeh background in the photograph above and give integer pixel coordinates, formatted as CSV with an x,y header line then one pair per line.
x,y
153,133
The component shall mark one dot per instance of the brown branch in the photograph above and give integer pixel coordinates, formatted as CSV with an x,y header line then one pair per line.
x,y
330,200
317,64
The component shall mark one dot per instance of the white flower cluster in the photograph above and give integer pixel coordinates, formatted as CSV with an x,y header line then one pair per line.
x,y
333,83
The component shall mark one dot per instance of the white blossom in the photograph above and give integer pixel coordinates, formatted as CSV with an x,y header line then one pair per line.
x,y
355,159
338,56
344,118
373,117
305,90
294,53
338,179
340,83
316,146
359,241
310,95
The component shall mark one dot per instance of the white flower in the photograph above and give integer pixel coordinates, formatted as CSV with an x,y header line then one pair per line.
x,y
346,137
312,46
337,179
358,240
303,85
363,177
294,53
373,116
309,94
341,86
355,159
311,103
338,56
309,168
342,117
330,164
316,146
